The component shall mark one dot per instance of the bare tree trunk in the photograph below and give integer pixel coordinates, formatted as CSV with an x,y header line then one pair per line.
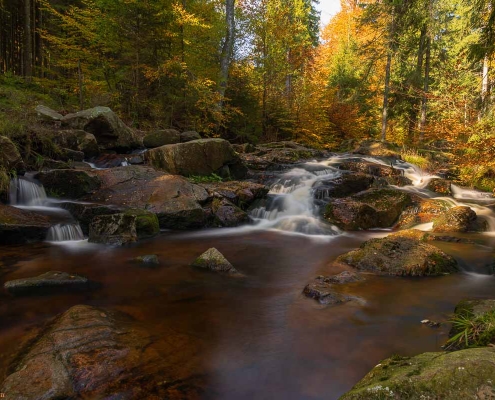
x,y
426,88
227,48
484,87
28,41
385,95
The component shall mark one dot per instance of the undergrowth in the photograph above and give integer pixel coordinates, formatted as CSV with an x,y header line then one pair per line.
x,y
205,179
414,157
472,330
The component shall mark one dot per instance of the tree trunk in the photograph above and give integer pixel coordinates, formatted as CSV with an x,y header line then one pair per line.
x,y
28,41
385,95
227,47
484,87
426,88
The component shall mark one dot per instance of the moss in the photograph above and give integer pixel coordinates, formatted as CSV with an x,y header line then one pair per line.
x,y
147,224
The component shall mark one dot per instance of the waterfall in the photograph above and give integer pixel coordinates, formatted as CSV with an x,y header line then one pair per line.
x,y
26,192
65,232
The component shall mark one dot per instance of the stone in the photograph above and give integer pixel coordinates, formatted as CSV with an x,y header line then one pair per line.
x,y
77,140
421,211
392,175
47,114
115,229
323,288
109,130
227,214
47,282
440,186
22,226
149,260
96,353
465,374
69,183
459,219
343,186
161,138
147,224
198,157
213,260
10,158
404,253
241,193
85,212
72,155
374,208
189,136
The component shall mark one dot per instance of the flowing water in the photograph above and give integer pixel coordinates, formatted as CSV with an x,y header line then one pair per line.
x,y
258,337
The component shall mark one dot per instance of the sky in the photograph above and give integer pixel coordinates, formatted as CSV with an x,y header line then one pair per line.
x,y
328,9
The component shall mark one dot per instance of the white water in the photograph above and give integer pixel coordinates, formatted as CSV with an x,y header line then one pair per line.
x,y
27,193
65,232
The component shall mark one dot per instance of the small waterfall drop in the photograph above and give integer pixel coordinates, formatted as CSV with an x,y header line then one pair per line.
x,y
26,192
65,232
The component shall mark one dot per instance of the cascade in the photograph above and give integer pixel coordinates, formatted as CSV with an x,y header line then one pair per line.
x,y
26,192
65,232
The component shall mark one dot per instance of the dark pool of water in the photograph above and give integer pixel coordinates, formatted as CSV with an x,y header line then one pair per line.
x,y
255,337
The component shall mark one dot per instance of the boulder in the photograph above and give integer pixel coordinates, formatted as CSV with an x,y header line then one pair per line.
x,y
404,253
198,157
109,130
47,114
115,229
77,140
440,186
459,219
227,214
323,288
374,208
465,374
176,201
189,136
148,260
69,183
21,226
72,155
377,149
85,212
94,353
345,185
213,260
421,211
241,193
161,138
391,175
147,224
10,158
244,148
47,282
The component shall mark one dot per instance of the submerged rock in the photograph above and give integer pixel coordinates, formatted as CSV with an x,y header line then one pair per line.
x,y
323,288
116,229
465,374
94,353
109,130
49,281
22,226
161,138
404,253
374,208
149,260
213,260
459,219
198,157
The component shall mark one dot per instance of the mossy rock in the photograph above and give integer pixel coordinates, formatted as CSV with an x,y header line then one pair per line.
x,y
147,224
421,211
404,253
10,158
464,374
440,186
213,260
459,219
69,183
161,138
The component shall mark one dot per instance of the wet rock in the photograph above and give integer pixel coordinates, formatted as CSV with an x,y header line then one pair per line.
x,y
109,130
227,214
189,136
241,193
378,149
47,282
323,288
465,374
440,186
374,208
343,186
161,138
390,175
47,114
21,226
404,253
10,158
77,140
431,324
459,219
147,224
116,229
199,157
421,211
176,201
85,212
69,183
244,148
148,260
213,260
94,353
